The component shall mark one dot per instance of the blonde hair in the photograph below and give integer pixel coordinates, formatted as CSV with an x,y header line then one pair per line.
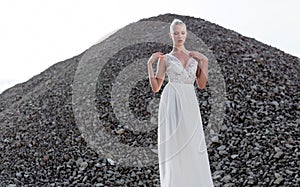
x,y
176,22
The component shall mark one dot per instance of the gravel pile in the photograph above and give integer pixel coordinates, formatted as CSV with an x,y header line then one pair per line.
x,y
256,145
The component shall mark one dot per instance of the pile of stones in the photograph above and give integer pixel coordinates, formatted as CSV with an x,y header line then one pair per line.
x,y
257,143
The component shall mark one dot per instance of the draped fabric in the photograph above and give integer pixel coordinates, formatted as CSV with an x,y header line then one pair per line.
x,y
182,152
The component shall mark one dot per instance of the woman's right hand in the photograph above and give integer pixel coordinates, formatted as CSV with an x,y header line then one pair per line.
x,y
154,57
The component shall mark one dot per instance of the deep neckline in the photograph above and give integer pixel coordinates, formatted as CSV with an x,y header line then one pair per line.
x,y
184,67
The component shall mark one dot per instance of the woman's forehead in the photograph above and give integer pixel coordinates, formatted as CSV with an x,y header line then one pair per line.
x,y
179,27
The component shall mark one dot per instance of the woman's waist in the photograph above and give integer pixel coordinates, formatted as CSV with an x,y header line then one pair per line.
x,y
188,84
180,85
185,90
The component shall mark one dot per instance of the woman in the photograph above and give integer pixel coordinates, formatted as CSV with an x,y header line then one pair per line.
x,y
182,153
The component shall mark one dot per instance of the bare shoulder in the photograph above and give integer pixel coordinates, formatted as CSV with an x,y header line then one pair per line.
x,y
199,56
163,59
202,56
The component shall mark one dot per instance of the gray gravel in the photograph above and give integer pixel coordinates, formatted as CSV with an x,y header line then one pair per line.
x,y
257,145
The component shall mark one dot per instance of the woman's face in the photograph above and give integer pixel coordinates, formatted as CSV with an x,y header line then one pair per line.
x,y
178,35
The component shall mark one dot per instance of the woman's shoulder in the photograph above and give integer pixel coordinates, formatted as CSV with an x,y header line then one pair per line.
x,y
166,58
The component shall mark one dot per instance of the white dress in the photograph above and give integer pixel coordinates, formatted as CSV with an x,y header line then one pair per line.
x,y
182,153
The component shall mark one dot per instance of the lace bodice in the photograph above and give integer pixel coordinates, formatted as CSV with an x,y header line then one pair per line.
x,y
177,73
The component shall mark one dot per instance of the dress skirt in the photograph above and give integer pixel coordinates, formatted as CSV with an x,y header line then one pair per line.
x,y
182,151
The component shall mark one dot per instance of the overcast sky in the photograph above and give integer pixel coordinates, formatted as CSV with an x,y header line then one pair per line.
x,y
36,34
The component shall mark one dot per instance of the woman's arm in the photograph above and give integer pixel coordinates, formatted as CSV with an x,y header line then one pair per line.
x,y
156,81
202,69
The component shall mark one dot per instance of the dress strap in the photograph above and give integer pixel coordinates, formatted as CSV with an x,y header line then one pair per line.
x,y
167,56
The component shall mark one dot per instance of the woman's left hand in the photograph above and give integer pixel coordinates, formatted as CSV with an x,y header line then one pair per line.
x,y
194,54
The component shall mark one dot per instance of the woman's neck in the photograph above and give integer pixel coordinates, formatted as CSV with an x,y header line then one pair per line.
x,y
179,49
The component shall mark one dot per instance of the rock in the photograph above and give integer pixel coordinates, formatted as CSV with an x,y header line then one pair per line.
x,y
274,103
99,184
279,181
120,131
229,185
226,179
234,156
111,162
289,172
278,155
221,148
19,175
215,139
46,158
277,149
12,185
83,166
277,175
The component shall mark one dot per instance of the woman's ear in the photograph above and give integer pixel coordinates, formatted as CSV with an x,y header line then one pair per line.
x,y
170,35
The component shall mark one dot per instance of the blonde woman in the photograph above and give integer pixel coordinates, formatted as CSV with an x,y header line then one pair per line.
x,y
182,152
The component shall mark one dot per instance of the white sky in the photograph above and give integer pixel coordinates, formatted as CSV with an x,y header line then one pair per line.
x,y
36,34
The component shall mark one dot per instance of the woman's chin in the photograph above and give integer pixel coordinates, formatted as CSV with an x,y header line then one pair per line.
x,y
178,44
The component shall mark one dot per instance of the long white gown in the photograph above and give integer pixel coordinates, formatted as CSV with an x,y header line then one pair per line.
x,y
182,152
